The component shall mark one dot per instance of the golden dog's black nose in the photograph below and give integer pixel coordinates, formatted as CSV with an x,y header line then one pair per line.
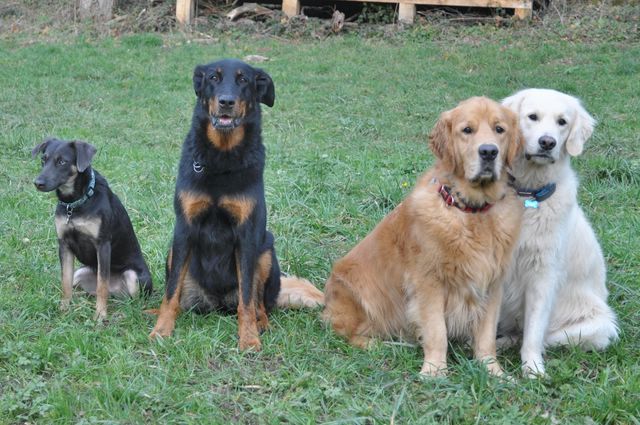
x,y
488,152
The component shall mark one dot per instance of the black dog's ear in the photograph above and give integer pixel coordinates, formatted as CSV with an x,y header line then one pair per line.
x,y
84,154
199,78
41,147
266,90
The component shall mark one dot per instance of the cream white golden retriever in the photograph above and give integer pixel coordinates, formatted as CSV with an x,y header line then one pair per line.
x,y
555,292
433,268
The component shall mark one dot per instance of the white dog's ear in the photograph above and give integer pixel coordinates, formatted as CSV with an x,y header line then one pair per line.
x,y
514,101
581,130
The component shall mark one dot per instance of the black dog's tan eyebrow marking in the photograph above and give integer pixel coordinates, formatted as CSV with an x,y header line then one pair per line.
x,y
193,204
225,141
240,207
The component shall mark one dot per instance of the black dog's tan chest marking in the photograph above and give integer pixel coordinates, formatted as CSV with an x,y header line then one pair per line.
x,y
86,226
225,140
239,207
193,204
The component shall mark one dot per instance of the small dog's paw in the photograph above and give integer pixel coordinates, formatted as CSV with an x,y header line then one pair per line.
x,y
100,316
64,305
161,332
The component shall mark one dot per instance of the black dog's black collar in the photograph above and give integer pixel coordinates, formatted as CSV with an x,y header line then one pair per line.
x,y
70,206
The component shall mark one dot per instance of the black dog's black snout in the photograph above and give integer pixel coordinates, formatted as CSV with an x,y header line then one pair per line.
x,y
547,143
39,183
488,152
226,101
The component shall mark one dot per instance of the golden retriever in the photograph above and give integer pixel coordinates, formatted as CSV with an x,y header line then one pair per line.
x,y
434,266
555,292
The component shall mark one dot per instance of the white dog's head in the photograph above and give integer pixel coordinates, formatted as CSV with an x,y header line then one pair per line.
x,y
552,123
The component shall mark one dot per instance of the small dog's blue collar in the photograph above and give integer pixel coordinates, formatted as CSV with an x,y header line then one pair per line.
x,y
70,206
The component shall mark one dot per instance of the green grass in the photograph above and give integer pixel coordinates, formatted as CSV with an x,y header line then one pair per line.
x,y
346,140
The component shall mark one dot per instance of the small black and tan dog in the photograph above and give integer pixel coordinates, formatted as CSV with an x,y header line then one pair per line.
x,y
222,256
92,226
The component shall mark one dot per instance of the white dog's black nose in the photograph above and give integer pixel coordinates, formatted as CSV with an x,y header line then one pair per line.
x,y
488,152
547,143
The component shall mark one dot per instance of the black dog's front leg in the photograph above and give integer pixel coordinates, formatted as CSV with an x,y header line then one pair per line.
x,y
177,269
66,268
104,273
245,256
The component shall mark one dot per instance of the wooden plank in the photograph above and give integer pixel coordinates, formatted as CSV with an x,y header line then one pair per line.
x,y
185,10
406,13
291,7
523,13
508,4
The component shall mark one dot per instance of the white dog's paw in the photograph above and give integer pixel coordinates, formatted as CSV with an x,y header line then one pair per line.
x,y
533,369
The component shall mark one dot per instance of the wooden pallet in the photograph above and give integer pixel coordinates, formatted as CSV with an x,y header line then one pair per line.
x,y
185,9
407,8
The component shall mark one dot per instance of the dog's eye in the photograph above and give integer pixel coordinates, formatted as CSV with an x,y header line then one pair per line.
x,y
533,117
214,77
43,160
242,79
61,162
562,121
499,129
467,130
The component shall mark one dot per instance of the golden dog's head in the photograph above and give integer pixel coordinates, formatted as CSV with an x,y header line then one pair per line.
x,y
477,140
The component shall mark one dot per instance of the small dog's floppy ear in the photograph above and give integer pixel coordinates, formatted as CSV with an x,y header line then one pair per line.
x,y
199,78
265,88
84,154
41,147
440,139
581,130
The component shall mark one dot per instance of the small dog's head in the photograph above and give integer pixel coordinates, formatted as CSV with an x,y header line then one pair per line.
x,y
476,140
231,91
61,163
552,123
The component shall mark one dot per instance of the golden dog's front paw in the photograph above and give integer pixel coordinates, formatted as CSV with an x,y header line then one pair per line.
x,y
430,369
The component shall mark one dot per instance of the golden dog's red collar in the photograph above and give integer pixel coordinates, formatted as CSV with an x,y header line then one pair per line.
x,y
445,192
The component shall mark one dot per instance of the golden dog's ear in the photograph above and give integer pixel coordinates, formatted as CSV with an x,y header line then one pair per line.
x,y
581,130
440,140
516,139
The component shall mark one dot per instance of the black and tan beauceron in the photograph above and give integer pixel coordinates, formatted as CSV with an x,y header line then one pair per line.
x,y
222,257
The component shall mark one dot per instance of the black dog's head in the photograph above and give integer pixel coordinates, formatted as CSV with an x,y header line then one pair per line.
x,y
61,163
231,91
